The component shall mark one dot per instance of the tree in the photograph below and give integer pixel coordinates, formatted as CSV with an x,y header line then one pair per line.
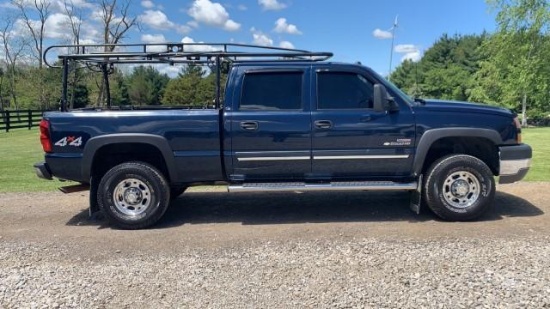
x,y
406,77
37,29
74,20
116,25
13,49
445,70
116,21
3,100
75,82
80,96
191,88
146,85
517,71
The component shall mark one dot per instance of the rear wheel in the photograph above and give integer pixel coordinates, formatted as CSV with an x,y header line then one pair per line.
x,y
133,195
459,188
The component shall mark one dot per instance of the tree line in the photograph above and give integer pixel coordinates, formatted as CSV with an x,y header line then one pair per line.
x,y
509,68
27,83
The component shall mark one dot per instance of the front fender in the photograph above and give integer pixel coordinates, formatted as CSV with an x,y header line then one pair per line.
x,y
431,136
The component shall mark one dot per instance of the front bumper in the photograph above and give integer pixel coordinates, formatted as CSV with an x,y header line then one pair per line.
x,y
514,162
43,170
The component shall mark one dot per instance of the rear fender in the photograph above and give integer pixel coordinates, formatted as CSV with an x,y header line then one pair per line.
x,y
96,143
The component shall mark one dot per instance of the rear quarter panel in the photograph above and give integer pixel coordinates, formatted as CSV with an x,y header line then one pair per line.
x,y
193,137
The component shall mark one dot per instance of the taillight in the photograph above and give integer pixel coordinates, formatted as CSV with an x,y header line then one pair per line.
x,y
518,130
45,135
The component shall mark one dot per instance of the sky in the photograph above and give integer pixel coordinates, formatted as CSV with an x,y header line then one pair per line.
x,y
354,30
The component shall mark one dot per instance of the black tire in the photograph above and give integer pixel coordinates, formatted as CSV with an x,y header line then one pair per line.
x,y
176,191
459,188
133,195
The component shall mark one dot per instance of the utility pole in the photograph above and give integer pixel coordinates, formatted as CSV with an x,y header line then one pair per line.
x,y
392,43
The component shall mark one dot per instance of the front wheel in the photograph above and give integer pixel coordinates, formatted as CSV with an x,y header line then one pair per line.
x,y
459,188
133,195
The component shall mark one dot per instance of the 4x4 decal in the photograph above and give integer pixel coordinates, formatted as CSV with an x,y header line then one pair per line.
x,y
70,141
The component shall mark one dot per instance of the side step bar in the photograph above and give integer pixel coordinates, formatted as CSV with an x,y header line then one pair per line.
x,y
333,186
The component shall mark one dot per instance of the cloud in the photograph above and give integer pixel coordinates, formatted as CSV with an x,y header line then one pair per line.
x,y
55,6
259,38
286,44
88,41
156,19
148,4
212,14
405,48
415,56
382,34
281,26
242,7
170,70
152,39
409,51
193,24
60,4
199,48
57,26
271,5
230,25
8,5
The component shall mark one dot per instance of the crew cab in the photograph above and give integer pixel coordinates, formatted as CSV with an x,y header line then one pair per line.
x,y
285,120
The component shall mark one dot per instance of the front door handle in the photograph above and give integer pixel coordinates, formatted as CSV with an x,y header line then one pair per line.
x,y
323,124
249,125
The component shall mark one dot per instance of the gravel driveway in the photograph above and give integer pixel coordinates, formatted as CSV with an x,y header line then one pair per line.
x,y
313,250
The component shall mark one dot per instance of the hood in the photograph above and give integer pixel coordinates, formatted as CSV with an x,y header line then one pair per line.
x,y
462,107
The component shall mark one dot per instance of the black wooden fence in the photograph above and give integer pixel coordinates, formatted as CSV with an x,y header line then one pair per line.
x,y
19,119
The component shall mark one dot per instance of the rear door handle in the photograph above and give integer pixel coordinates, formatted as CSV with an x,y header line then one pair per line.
x,y
249,125
323,124
366,118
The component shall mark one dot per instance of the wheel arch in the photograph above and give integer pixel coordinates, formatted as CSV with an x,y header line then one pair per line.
x,y
140,145
435,143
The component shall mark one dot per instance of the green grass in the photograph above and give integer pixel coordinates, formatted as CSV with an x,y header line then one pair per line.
x,y
20,149
539,139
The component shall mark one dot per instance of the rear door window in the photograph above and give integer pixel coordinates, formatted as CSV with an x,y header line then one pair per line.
x,y
272,91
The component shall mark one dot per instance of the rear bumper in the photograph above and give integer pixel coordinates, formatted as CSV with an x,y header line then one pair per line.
x,y
43,171
515,162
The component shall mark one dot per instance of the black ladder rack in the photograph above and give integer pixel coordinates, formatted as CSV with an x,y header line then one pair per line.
x,y
102,57
177,53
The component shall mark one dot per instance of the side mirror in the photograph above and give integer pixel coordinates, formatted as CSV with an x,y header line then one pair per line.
x,y
383,103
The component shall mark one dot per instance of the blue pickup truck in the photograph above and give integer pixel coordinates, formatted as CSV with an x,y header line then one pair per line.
x,y
285,120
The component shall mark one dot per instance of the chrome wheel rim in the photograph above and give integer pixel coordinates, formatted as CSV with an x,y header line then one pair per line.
x,y
461,189
132,197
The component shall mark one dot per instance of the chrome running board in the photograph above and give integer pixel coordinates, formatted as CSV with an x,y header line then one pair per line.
x,y
332,186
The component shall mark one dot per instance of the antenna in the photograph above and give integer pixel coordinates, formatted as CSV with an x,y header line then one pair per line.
x,y
395,25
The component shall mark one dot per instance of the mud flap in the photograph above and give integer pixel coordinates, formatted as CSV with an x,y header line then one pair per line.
x,y
416,197
94,207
